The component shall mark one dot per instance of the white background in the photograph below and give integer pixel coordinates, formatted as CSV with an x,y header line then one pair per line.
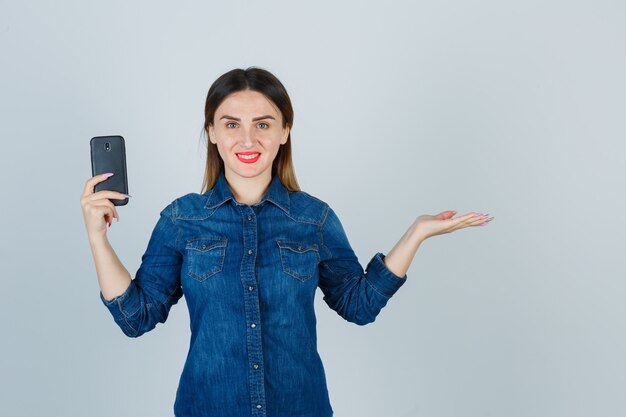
x,y
401,108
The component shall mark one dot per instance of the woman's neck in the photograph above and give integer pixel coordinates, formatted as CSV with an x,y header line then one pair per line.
x,y
248,191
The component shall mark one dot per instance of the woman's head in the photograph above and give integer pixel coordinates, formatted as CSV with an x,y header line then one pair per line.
x,y
248,111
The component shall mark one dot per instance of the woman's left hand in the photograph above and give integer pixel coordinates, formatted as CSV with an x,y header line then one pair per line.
x,y
427,225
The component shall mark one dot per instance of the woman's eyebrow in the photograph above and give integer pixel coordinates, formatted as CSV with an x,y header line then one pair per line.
x,y
267,116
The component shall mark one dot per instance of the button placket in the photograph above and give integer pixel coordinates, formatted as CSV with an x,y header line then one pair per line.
x,y
252,307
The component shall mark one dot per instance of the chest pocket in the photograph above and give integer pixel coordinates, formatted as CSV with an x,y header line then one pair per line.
x,y
299,259
206,257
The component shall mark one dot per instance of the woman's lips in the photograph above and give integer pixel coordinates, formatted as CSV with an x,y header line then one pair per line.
x,y
248,160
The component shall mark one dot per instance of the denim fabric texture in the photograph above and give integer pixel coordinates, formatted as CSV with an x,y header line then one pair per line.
x,y
249,274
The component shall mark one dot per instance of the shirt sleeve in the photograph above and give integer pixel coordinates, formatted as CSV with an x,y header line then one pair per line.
x,y
156,286
356,295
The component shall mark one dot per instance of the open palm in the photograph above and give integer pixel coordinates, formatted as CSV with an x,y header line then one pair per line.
x,y
432,225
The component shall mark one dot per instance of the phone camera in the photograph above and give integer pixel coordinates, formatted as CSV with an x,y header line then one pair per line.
x,y
107,146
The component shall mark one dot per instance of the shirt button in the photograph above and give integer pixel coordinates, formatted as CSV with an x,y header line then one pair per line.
x,y
299,247
250,252
251,288
253,325
203,247
255,366
249,217
258,406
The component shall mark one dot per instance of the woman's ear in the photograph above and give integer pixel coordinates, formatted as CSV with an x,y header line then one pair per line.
x,y
286,131
211,134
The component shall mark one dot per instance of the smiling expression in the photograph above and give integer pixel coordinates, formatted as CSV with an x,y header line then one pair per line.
x,y
248,123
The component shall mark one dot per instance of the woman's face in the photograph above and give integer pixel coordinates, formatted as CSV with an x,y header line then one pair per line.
x,y
247,121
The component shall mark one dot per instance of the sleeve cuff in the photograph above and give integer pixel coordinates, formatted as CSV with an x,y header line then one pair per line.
x,y
125,304
381,277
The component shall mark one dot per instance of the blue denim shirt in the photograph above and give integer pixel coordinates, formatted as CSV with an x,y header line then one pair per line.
x,y
249,274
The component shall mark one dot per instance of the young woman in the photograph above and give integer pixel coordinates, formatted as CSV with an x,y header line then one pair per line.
x,y
248,255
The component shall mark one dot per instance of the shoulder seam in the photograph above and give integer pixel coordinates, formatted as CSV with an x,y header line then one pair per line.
x,y
313,197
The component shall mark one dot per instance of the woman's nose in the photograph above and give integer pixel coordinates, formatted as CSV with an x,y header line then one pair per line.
x,y
247,138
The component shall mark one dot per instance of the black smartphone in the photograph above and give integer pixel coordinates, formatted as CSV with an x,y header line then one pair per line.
x,y
108,154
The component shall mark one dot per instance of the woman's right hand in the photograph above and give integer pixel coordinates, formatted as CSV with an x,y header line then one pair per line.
x,y
98,210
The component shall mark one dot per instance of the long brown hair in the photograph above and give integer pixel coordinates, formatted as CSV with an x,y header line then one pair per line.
x,y
264,82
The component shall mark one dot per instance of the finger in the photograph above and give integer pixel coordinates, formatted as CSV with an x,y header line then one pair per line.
x,y
466,217
107,203
108,220
91,182
486,222
101,211
478,220
100,195
470,219
116,195
108,217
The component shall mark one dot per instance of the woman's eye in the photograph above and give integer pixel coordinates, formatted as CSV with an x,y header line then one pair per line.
x,y
260,124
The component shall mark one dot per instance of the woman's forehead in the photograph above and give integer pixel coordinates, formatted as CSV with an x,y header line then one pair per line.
x,y
247,99
247,102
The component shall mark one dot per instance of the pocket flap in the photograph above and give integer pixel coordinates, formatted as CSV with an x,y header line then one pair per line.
x,y
204,244
297,246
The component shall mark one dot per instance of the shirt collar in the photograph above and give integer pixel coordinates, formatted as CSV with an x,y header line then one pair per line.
x,y
276,193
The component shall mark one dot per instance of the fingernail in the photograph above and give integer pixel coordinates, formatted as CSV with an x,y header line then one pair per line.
x,y
107,175
127,195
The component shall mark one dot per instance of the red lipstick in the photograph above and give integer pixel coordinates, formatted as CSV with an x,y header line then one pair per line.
x,y
249,160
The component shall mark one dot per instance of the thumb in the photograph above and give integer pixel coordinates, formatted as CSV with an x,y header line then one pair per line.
x,y
446,214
